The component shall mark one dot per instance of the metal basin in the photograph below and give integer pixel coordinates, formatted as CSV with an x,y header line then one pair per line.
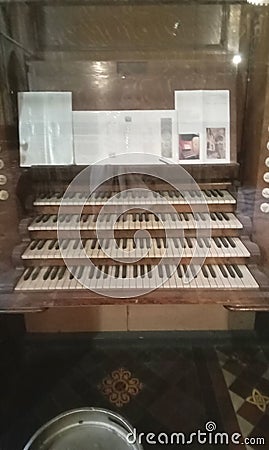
x,y
84,429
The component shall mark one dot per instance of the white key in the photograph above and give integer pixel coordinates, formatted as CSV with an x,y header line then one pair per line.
x,y
248,279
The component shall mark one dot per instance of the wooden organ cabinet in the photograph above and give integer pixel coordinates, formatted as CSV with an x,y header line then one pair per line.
x,y
128,56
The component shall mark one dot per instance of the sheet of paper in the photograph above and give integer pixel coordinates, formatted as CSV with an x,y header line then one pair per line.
x,y
203,121
109,134
45,128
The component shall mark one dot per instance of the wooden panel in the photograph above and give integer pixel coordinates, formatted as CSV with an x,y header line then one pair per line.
x,y
255,108
28,301
9,208
186,317
120,27
95,318
260,219
256,132
96,85
140,318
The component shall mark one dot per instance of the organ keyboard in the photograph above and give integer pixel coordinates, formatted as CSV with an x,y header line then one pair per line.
x,y
216,199
214,276
175,243
210,196
218,248
226,223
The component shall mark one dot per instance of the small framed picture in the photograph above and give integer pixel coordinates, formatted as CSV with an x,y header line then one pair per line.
x,y
216,144
189,146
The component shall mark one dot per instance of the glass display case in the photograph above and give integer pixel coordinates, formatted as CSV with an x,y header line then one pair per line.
x,y
134,162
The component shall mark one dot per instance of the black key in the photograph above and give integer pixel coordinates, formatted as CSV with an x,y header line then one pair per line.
x,y
168,271
39,219
47,273
41,244
223,271
75,245
217,241
231,242
28,273
160,270
212,271
179,272
230,270
214,193
224,242
106,271
183,243
61,272
200,243
237,270
65,244
33,245
35,273
189,242
175,241
99,272
207,242
54,273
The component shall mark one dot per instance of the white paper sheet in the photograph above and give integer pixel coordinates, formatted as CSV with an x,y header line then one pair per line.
x,y
45,128
108,134
203,126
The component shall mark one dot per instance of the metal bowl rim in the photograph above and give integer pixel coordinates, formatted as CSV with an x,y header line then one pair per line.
x,y
77,410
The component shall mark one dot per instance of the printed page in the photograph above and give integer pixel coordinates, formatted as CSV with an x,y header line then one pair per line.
x,y
45,128
108,134
203,121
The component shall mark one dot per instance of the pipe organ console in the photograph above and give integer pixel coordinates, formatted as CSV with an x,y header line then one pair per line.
x,y
228,274
148,242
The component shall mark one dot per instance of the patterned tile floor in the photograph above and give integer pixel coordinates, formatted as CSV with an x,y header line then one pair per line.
x,y
161,383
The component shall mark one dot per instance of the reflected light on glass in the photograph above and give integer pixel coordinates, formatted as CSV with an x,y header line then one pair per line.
x,y
258,2
237,59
